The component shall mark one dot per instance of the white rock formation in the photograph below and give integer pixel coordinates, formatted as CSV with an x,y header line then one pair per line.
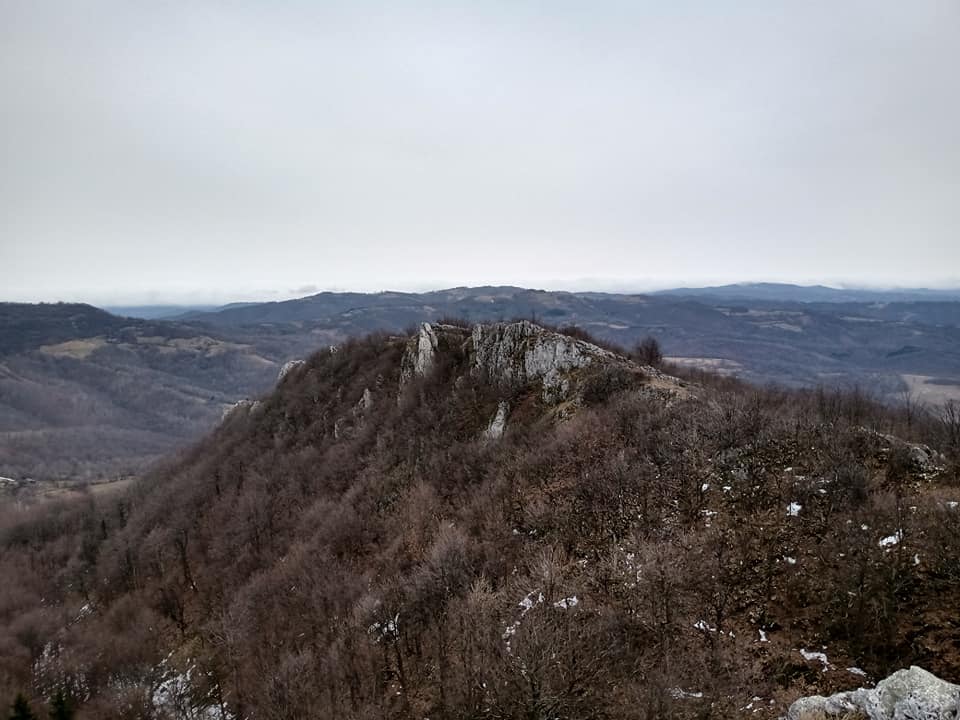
x,y
912,694
366,401
287,367
245,405
518,353
419,355
521,351
498,424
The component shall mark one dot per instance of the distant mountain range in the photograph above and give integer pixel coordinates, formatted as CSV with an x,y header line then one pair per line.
x,y
813,293
85,393
157,312
888,346
744,291
165,312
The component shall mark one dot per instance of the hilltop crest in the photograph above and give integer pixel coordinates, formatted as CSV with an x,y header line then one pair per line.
x,y
533,521
515,354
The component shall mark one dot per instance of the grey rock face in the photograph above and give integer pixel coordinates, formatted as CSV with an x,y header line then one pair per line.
x,y
924,460
287,367
912,694
498,424
521,351
419,355
241,406
366,401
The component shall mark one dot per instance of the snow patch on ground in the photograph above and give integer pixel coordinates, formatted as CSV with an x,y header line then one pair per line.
x,y
175,696
86,610
891,540
813,655
528,602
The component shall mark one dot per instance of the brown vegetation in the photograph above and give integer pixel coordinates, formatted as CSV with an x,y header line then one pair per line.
x,y
318,558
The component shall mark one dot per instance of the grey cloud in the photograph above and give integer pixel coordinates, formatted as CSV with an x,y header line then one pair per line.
x,y
239,147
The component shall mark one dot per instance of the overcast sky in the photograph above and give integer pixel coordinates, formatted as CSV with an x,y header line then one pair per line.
x,y
190,150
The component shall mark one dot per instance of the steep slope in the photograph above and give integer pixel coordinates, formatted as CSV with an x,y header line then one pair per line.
x,y
499,521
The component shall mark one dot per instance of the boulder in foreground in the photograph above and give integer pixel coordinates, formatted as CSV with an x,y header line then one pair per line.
x,y
913,694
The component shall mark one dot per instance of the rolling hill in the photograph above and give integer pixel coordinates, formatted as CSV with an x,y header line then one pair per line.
x,y
87,395
496,521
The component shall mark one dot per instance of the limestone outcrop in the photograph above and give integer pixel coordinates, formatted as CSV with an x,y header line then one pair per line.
x,y
420,354
913,694
241,406
287,367
365,402
498,424
924,461
520,352
418,357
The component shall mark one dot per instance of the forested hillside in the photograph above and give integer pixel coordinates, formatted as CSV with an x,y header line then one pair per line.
x,y
85,395
497,522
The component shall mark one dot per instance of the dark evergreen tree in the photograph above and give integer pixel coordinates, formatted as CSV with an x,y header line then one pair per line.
x,y
60,707
21,709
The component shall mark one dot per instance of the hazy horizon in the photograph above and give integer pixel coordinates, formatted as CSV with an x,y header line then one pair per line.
x,y
206,298
200,153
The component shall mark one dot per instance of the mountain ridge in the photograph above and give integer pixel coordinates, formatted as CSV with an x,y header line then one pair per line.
x,y
814,293
358,545
788,342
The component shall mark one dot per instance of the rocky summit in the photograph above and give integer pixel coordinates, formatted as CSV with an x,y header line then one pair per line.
x,y
522,351
517,353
